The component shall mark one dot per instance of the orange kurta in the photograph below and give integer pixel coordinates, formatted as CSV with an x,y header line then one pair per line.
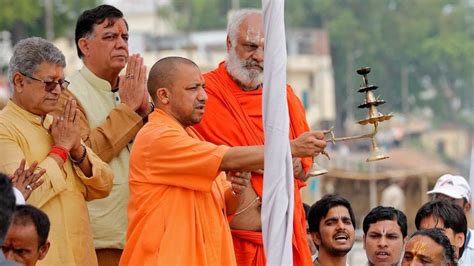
x,y
176,205
234,117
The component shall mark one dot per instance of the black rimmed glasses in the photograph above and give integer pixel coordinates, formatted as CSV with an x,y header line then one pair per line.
x,y
49,86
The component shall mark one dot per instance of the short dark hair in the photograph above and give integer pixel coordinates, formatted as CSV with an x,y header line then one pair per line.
x,y
25,214
450,213
163,73
320,209
441,239
89,18
7,205
381,213
306,208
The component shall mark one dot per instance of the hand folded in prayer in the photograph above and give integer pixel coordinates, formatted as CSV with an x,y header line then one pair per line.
x,y
239,181
65,129
27,180
132,87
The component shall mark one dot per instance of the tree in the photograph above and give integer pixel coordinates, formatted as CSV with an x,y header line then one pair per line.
x,y
24,18
421,45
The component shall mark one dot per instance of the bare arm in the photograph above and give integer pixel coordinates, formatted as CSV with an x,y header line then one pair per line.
x,y
250,158
242,158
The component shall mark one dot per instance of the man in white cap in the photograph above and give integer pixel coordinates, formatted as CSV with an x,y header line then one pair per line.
x,y
456,189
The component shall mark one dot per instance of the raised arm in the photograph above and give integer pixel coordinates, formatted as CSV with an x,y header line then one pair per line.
x,y
250,158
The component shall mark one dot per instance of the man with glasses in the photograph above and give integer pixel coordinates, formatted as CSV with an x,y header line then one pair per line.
x,y
112,110
74,174
456,189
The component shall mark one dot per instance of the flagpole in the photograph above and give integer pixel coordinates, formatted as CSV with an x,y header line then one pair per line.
x,y
278,186
471,174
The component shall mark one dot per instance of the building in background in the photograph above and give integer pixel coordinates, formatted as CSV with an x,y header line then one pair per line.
x,y
309,67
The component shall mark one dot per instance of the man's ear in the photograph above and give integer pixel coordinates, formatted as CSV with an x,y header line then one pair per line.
x,y
43,250
316,238
467,207
459,239
163,96
228,43
18,82
363,240
83,46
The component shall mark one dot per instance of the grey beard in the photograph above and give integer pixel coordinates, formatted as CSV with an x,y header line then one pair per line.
x,y
246,79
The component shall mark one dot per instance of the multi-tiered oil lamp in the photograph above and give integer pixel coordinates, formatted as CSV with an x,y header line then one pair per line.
x,y
374,117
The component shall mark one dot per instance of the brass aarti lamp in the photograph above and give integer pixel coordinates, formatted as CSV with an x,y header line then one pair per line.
x,y
374,117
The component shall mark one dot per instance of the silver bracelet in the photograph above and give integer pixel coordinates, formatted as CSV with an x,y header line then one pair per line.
x,y
83,157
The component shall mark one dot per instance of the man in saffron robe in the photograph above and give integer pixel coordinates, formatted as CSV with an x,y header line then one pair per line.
x,y
179,196
234,118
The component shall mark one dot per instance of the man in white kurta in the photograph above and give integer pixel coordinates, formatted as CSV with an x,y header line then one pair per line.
x,y
111,111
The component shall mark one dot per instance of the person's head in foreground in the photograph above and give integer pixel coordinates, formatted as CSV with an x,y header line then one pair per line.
x,y
385,232
453,188
36,74
7,205
27,239
331,223
176,86
449,218
428,247
245,42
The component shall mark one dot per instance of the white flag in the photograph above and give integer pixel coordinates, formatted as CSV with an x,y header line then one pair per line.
x,y
471,176
277,203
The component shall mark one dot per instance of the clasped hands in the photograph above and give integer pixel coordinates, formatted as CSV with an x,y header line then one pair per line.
x,y
132,87
65,129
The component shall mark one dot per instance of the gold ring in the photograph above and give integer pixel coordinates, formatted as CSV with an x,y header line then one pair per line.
x,y
129,76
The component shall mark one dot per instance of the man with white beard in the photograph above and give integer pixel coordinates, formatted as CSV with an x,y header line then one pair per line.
x,y
233,117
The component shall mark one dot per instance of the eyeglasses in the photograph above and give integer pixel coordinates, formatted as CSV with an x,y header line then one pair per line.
x,y
49,86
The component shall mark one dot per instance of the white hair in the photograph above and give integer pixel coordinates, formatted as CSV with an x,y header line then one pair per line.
x,y
235,20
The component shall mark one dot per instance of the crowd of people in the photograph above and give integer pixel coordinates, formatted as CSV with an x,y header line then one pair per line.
x,y
166,167
442,236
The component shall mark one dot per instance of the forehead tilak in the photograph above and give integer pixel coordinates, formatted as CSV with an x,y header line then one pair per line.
x,y
419,247
119,28
116,27
253,35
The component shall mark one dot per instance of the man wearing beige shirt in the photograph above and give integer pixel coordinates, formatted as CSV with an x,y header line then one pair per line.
x,y
74,174
112,112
